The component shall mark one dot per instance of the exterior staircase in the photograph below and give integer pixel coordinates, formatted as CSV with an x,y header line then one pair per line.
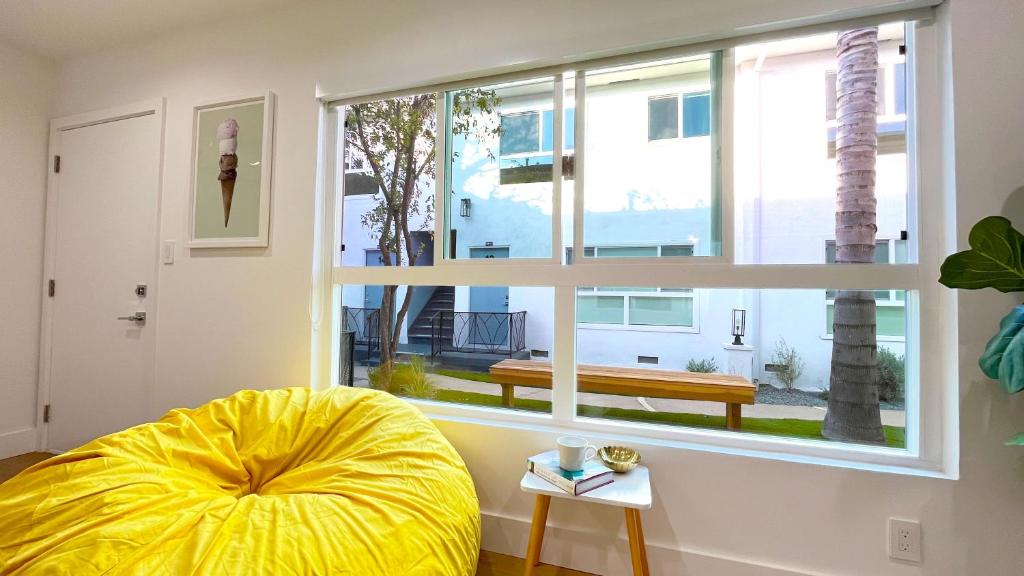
x,y
443,300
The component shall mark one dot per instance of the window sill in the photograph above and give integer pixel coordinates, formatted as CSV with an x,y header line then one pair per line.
x,y
797,451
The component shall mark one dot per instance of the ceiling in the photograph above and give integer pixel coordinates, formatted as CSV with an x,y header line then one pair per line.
x,y
60,29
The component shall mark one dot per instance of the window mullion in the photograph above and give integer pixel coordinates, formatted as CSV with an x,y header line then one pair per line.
x,y
558,137
563,385
578,170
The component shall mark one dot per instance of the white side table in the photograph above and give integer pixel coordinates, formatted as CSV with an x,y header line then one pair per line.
x,y
630,491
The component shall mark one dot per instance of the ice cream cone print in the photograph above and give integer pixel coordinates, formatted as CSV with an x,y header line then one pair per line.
x,y
227,136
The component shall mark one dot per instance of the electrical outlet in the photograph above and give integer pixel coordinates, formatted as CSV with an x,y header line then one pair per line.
x,y
905,540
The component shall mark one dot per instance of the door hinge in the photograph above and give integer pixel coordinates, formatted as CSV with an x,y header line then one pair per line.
x,y
46,414
52,288
56,164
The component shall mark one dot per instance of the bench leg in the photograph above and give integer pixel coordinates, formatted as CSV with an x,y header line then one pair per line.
x,y
637,547
733,416
508,395
540,520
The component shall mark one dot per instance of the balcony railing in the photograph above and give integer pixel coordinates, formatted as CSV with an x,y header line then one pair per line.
x,y
364,323
478,332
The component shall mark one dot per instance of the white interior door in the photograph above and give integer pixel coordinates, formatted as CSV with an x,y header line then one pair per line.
x,y
101,367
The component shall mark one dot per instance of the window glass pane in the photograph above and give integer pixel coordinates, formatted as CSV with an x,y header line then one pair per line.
x,y
499,170
781,376
663,117
696,115
367,237
520,133
786,128
599,309
447,341
900,89
640,192
660,311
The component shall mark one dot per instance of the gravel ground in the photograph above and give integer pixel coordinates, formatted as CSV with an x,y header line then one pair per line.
x,y
768,394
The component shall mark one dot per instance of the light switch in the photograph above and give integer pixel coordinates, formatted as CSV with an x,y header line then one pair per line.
x,y
167,252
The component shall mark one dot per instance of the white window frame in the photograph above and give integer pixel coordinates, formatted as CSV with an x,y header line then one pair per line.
x,y
931,430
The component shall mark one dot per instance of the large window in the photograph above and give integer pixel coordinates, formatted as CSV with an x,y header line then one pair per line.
x,y
648,245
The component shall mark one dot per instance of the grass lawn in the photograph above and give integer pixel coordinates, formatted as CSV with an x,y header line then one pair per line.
x,y
895,436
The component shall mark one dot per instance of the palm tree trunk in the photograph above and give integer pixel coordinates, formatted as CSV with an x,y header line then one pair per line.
x,y
853,410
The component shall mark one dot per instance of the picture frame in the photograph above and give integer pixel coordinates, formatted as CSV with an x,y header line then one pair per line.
x,y
231,172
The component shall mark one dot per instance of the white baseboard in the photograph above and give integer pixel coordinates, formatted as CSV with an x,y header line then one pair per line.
x,y
18,442
602,550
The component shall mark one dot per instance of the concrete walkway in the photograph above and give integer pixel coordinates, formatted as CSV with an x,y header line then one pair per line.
x,y
777,411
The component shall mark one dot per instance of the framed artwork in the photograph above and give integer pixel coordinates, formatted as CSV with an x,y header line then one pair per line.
x,y
232,155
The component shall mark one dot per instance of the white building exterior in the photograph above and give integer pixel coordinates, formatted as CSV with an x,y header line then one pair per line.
x,y
649,193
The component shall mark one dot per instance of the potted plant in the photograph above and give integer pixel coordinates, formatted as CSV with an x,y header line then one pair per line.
x,y
995,260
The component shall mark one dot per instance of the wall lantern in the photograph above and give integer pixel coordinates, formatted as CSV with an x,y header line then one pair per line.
x,y
739,326
465,207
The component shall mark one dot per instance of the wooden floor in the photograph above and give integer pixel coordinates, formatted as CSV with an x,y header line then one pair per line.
x,y
491,564
11,466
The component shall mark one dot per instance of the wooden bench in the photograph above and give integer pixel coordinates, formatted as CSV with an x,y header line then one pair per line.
x,y
734,391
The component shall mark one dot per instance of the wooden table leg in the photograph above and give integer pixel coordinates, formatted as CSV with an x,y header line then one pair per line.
x,y
540,520
733,416
637,547
508,395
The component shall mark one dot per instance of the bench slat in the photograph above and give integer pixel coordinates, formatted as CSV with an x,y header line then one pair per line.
x,y
645,382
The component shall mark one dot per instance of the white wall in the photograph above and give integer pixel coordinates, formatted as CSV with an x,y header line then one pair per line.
x,y
240,321
26,94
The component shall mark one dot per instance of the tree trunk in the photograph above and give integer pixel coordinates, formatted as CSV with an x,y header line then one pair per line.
x,y
853,410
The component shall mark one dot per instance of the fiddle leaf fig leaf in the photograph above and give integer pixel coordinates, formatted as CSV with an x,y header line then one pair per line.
x,y
995,260
1018,441
1003,358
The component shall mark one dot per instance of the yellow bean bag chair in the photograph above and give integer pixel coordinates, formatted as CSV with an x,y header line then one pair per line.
x,y
284,482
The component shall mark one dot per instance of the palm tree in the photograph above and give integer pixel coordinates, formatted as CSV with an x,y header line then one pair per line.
x,y
853,410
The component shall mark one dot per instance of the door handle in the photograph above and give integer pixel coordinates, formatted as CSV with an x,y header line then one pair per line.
x,y
139,317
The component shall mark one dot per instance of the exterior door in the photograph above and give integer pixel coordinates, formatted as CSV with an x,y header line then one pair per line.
x,y
489,305
373,295
101,365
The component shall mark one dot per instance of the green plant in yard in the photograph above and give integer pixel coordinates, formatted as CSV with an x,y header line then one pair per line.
x,y
891,375
789,366
995,260
414,380
382,377
403,379
706,365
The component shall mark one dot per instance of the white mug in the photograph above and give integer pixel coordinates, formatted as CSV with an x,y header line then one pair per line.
x,y
572,453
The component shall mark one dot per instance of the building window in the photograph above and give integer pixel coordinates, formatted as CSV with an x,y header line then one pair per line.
x,y
637,307
696,115
663,117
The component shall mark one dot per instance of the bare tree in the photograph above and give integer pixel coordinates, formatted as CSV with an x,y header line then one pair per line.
x,y
853,409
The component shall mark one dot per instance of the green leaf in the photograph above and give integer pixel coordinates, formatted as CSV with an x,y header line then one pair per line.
x,y
1003,358
994,261
1018,441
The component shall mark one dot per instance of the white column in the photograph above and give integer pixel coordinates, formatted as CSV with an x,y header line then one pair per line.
x,y
739,360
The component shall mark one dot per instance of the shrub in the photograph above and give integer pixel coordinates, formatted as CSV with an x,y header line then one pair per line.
x,y
414,381
382,377
891,376
403,379
789,366
706,365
